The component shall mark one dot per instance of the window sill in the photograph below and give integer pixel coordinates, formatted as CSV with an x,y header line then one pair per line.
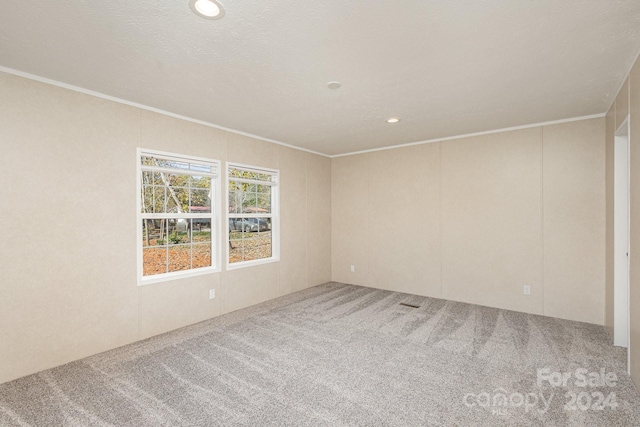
x,y
165,277
252,263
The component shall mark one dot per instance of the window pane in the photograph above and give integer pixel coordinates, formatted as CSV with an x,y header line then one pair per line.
x,y
163,178
250,239
264,202
258,224
251,244
180,233
238,224
182,194
247,174
200,182
201,255
154,260
147,230
178,180
156,199
151,178
172,207
179,257
153,232
147,178
249,202
157,178
200,198
239,173
173,226
235,251
265,245
147,199
234,203
201,230
242,197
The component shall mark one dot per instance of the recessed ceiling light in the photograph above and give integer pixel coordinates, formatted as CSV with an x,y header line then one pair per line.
x,y
334,85
208,9
392,120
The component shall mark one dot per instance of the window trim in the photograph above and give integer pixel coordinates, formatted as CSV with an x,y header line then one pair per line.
x,y
215,222
274,215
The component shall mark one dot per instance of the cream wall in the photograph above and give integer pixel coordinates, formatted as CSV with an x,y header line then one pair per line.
x,y
574,220
68,261
475,219
627,103
492,228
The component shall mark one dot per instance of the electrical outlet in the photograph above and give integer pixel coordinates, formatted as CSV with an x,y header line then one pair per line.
x,y
212,293
353,268
527,290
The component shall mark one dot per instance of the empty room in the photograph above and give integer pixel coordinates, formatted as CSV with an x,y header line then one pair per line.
x,y
346,213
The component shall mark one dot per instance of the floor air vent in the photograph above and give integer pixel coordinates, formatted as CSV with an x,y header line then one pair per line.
x,y
409,305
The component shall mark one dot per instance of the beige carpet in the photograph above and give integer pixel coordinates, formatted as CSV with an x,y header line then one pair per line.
x,y
341,355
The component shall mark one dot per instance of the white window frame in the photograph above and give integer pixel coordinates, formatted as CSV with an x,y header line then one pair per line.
x,y
274,215
215,217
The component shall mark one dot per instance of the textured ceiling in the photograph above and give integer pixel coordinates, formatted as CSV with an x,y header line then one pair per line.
x,y
446,68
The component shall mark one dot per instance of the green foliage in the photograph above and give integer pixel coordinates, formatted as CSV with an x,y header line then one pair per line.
x,y
175,238
201,236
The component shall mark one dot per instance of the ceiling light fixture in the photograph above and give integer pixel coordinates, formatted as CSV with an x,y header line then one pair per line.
x,y
208,9
334,85
392,120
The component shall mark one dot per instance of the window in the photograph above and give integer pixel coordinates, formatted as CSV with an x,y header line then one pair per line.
x,y
253,219
177,216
